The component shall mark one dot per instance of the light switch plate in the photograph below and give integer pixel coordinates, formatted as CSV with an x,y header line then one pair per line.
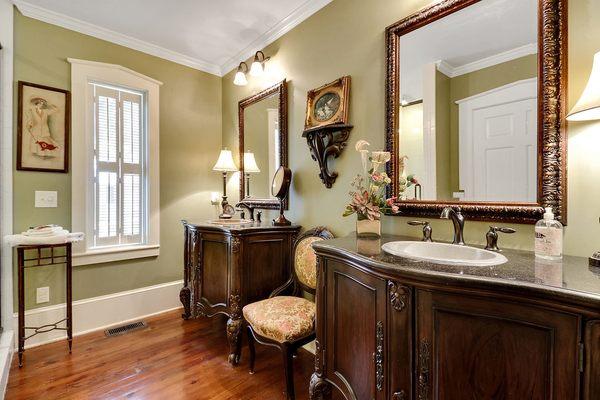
x,y
46,199
42,294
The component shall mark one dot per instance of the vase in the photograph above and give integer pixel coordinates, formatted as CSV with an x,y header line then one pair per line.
x,y
368,228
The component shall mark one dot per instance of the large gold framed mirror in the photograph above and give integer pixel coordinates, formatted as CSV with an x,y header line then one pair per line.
x,y
475,109
263,135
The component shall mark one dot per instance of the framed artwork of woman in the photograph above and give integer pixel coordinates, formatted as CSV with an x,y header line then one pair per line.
x,y
43,128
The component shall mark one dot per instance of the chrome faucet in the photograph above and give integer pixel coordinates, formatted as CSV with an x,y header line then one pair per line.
x,y
458,221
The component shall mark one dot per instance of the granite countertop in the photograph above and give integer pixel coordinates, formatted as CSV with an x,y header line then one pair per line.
x,y
571,278
254,226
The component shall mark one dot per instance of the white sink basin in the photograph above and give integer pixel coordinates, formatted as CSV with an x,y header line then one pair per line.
x,y
230,221
443,253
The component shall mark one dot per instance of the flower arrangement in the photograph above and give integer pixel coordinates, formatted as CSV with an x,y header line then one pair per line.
x,y
367,196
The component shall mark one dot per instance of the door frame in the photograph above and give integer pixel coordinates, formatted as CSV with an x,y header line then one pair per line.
x,y
525,89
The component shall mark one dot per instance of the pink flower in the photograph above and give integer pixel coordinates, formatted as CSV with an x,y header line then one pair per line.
x,y
390,202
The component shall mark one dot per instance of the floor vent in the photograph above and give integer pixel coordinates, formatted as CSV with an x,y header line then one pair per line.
x,y
123,329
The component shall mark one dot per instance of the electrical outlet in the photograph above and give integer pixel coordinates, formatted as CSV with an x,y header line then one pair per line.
x,y
42,294
46,199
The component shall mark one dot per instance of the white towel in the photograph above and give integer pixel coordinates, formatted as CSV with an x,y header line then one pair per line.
x,y
63,237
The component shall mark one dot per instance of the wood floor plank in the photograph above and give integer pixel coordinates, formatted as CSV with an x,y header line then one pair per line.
x,y
170,359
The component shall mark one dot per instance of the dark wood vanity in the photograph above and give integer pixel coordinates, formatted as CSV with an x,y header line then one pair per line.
x,y
392,328
229,266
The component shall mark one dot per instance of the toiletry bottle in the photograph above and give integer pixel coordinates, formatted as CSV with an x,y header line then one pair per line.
x,y
549,237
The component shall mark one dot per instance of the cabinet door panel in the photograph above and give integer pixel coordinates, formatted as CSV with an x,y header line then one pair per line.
x,y
267,261
214,271
494,350
355,329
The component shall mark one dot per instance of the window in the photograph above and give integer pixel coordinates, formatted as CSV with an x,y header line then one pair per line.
x,y
115,182
119,181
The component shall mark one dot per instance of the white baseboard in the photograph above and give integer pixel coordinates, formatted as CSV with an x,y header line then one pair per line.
x,y
6,353
99,313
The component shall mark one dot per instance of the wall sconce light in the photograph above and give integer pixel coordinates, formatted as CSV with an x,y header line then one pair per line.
x,y
258,65
240,75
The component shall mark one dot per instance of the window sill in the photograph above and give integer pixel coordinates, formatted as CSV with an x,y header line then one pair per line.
x,y
111,254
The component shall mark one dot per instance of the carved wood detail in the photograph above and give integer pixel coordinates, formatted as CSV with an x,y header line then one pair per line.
x,y
234,328
399,295
235,244
552,177
423,379
401,395
277,89
379,356
319,388
326,142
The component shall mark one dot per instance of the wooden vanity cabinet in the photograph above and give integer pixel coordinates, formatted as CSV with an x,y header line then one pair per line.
x,y
227,267
382,337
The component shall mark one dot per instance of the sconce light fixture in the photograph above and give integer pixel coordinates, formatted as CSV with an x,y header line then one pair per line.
x,y
258,65
240,75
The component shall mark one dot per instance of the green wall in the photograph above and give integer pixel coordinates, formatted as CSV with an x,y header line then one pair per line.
x,y
347,38
190,139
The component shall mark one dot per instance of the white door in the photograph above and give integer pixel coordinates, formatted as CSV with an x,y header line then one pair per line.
x,y
500,144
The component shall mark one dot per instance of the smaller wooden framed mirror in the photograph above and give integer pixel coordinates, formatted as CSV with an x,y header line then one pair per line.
x,y
263,136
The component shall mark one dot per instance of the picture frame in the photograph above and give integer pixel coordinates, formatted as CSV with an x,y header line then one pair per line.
x,y
43,128
328,104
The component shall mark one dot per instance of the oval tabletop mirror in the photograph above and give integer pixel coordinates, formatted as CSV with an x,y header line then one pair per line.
x,y
280,189
263,144
475,109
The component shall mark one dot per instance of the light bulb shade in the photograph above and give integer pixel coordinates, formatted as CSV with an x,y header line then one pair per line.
x,y
225,162
588,106
240,79
256,69
250,163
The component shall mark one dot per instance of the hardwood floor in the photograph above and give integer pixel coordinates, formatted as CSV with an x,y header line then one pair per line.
x,y
171,359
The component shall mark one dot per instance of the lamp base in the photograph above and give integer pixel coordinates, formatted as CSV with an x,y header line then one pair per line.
x,y
281,221
228,210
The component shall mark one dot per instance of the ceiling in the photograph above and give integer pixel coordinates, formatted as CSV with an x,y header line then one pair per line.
x,y
213,36
481,35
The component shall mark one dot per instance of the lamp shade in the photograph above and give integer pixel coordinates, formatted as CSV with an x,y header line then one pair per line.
x,y
225,162
240,79
588,106
250,163
256,69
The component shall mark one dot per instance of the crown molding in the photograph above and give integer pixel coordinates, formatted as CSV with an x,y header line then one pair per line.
x,y
54,18
284,26
496,59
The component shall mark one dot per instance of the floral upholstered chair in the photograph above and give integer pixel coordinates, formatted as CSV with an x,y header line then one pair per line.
x,y
288,322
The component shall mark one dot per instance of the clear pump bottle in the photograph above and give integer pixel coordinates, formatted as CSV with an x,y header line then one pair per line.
x,y
549,237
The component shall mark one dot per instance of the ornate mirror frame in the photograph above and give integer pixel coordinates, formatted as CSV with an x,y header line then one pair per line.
x,y
552,141
277,89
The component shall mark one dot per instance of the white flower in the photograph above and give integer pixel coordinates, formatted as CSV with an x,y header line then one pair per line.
x,y
379,157
361,147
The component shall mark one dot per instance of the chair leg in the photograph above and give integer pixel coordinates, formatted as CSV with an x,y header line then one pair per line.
x,y
252,349
288,366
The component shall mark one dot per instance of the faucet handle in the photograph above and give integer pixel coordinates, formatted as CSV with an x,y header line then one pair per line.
x,y
426,229
491,237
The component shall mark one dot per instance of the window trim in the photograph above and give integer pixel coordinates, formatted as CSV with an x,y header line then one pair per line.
x,y
83,72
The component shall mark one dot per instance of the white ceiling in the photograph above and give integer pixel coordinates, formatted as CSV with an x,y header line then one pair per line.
x,y
473,36
210,35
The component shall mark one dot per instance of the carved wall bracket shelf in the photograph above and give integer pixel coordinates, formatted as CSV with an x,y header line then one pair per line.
x,y
325,142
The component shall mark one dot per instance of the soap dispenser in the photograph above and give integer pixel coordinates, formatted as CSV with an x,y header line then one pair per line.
x,y
549,237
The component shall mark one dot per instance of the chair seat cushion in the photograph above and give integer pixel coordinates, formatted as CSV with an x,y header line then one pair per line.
x,y
282,318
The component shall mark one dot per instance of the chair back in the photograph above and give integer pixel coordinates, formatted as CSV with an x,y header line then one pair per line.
x,y
305,259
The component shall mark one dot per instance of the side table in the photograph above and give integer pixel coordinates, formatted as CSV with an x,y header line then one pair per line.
x,y
39,256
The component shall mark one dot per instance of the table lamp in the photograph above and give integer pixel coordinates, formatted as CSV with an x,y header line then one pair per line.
x,y
587,108
225,164
250,167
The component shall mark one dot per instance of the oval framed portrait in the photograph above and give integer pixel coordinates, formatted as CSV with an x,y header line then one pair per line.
x,y
328,104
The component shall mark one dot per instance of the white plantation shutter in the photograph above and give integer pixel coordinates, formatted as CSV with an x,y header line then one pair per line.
x,y
119,186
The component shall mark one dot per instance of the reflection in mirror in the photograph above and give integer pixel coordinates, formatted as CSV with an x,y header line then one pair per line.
x,y
467,117
261,146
